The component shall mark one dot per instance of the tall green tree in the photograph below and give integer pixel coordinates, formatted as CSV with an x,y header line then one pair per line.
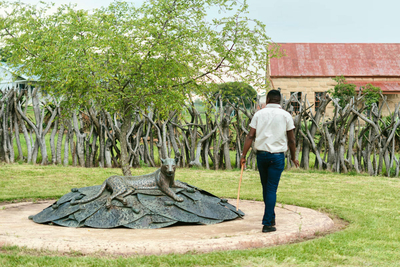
x,y
122,57
235,92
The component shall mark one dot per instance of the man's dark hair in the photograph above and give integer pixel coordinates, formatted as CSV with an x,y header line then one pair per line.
x,y
274,96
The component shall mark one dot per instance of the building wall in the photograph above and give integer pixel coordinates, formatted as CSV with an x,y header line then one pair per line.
x,y
392,101
309,86
8,80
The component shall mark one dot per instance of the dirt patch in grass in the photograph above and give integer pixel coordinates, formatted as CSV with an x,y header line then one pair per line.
x,y
34,200
294,224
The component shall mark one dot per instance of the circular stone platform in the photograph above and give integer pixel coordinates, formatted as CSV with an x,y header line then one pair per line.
x,y
292,223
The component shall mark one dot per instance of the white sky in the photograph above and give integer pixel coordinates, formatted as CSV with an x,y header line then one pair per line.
x,y
322,21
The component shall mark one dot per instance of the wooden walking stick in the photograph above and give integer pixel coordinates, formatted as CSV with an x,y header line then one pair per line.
x,y
240,182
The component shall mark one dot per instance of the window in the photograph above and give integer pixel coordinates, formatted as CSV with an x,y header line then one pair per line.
x,y
318,96
296,103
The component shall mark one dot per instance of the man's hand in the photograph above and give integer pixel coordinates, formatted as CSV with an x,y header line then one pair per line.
x,y
242,161
292,147
296,162
247,144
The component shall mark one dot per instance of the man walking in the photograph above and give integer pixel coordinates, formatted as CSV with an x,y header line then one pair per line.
x,y
272,129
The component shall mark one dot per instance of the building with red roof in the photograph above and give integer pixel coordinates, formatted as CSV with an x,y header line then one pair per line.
x,y
308,68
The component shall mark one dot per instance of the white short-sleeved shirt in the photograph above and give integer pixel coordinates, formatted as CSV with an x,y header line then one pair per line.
x,y
271,124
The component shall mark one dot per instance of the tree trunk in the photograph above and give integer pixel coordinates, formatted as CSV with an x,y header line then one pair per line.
x,y
147,148
196,161
173,141
5,139
331,150
88,160
102,141
350,144
59,144
164,151
107,153
25,132
35,148
228,165
152,146
17,139
66,148
80,141
72,146
52,143
126,125
94,147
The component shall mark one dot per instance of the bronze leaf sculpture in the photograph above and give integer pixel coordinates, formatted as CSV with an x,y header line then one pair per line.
x,y
148,201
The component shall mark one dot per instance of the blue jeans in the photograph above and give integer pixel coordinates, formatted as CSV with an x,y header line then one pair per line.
x,y
270,167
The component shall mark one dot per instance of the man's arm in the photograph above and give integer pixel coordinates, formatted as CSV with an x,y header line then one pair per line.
x,y
247,144
292,147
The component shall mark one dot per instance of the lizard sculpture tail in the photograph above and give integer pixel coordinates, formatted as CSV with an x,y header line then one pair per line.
x,y
83,201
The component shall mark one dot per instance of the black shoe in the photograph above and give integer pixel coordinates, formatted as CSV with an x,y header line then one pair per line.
x,y
268,228
273,222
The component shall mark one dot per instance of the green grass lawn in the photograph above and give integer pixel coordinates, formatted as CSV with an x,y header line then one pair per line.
x,y
369,204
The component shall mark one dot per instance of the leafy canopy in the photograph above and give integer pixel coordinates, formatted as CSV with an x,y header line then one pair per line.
x,y
343,91
371,94
124,57
235,92
4,56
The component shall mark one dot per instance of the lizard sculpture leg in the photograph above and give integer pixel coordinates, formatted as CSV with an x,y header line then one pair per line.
x,y
122,197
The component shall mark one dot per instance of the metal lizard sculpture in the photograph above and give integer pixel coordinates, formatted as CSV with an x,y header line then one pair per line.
x,y
121,186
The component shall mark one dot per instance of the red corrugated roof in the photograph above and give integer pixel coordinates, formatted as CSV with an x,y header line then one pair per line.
x,y
330,60
387,87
